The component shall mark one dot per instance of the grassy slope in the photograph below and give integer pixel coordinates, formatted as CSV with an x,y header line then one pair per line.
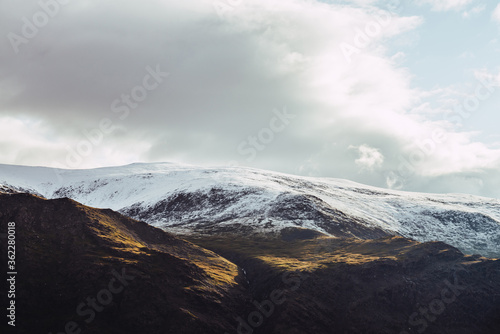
x,y
364,286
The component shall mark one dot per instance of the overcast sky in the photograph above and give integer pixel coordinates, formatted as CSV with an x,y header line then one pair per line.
x,y
386,93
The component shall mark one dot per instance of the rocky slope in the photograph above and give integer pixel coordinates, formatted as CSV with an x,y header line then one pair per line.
x,y
188,199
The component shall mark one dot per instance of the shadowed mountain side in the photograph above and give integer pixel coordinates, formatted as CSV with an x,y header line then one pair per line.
x,y
390,285
142,279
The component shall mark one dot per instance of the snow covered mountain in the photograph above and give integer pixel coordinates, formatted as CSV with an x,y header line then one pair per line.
x,y
187,199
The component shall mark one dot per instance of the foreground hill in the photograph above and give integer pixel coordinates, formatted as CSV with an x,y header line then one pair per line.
x,y
141,278
98,271
188,199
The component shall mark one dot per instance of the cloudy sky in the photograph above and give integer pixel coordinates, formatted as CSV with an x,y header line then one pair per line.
x,y
387,93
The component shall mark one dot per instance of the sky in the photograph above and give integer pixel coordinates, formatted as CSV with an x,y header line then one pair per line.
x,y
395,94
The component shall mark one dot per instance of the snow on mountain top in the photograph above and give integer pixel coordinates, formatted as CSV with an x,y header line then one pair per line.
x,y
165,177
179,196
54,177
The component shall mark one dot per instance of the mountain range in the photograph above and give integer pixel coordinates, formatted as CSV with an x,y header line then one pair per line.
x,y
191,200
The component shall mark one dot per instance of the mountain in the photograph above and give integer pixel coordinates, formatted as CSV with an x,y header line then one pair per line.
x,y
197,200
107,273
87,270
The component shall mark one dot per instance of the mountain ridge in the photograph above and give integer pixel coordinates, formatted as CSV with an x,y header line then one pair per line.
x,y
187,199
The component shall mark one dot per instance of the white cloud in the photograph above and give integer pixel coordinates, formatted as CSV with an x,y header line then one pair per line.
x,y
496,14
474,11
446,5
369,157
30,141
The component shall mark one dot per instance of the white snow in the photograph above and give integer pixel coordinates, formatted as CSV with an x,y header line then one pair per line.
x,y
424,217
